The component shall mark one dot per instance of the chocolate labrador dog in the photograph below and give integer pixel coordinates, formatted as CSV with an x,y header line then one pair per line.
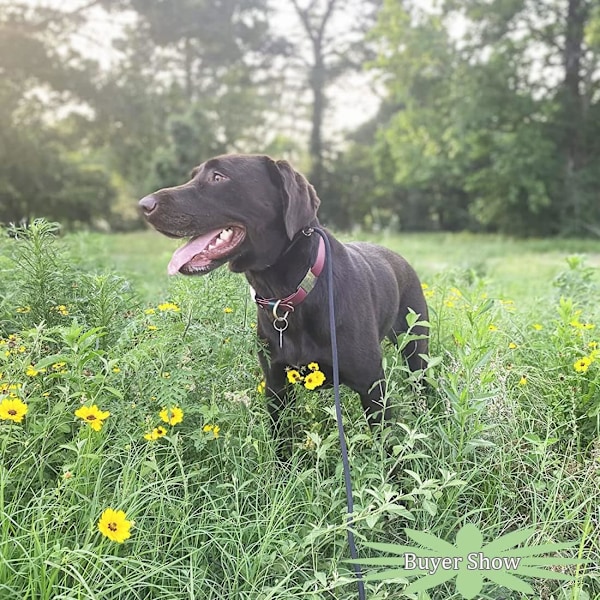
x,y
258,215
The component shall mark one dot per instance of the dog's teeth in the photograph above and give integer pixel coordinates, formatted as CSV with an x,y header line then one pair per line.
x,y
226,234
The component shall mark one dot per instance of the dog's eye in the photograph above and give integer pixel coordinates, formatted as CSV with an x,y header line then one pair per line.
x,y
218,177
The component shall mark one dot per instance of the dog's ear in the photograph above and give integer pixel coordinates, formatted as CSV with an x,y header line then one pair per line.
x,y
300,201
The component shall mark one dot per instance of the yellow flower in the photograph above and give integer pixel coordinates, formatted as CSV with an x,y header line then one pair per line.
x,y
166,375
172,416
227,310
512,346
214,429
10,388
116,370
579,325
114,525
583,364
313,366
424,286
314,380
449,304
152,327
168,306
293,376
59,367
24,309
537,326
93,416
156,433
149,311
493,327
13,409
62,309
523,380
593,345
31,371
261,387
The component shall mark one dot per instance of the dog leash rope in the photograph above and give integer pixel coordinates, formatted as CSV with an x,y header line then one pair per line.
x,y
338,411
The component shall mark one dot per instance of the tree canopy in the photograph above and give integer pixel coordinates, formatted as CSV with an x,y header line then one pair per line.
x,y
488,116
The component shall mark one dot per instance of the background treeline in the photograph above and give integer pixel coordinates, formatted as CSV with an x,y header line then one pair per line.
x,y
488,119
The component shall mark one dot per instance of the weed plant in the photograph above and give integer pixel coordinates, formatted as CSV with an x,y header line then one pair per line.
x,y
504,435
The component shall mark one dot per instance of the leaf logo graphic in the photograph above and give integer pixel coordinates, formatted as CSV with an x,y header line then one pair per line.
x,y
471,562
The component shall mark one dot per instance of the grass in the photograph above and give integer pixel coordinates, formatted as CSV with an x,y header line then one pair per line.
x,y
523,269
510,438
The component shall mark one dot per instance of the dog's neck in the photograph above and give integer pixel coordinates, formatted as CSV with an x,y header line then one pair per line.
x,y
283,277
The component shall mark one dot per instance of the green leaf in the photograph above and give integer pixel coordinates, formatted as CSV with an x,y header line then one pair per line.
x,y
509,581
429,581
509,540
432,542
469,583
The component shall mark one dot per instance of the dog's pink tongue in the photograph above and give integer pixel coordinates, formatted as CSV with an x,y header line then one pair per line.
x,y
183,255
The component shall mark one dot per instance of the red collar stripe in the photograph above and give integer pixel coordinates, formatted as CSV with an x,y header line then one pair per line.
x,y
306,285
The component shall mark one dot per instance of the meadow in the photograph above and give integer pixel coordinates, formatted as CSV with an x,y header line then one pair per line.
x,y
123,389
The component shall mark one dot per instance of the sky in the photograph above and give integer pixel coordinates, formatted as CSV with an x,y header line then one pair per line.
x,y
352,100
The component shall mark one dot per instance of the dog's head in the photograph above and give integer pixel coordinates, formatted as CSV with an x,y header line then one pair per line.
x,y
241,209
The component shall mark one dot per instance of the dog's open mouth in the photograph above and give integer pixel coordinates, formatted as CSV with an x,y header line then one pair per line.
x,y
207,251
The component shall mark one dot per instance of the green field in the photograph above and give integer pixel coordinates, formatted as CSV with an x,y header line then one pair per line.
x,y
523,268
505,437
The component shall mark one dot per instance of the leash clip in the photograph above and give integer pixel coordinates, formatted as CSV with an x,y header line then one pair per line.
x,y
280,323
308,231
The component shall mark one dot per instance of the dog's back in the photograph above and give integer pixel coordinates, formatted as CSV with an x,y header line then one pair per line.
x,y
396,290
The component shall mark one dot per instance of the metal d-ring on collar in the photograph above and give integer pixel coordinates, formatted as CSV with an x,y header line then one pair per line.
x,y
280,322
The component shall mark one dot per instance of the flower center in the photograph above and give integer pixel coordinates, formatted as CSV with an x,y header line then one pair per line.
x,y
113,527
90,418
12,412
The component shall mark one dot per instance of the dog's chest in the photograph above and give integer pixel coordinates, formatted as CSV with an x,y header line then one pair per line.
x,y
296,341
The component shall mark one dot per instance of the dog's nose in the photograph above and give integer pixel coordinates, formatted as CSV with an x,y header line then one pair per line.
x,y
148,204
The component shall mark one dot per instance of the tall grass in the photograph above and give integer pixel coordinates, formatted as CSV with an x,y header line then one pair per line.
x,y
506,437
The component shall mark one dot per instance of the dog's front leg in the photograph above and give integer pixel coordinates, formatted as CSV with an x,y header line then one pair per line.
x,y
364,374
276,392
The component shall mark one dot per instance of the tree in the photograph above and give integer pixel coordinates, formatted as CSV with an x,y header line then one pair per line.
x,y
327,51
193,82
39,173
500,113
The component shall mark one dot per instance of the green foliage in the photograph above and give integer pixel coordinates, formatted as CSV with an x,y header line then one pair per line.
x,y
509,436
478,124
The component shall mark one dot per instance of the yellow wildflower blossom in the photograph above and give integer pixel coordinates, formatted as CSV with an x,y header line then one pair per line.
x,y
314,380
172,416
114,525
93,416
13,409
211,428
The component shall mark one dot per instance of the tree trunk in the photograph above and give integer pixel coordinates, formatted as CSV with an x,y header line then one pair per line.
x,y
317,83
188,69
573,107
